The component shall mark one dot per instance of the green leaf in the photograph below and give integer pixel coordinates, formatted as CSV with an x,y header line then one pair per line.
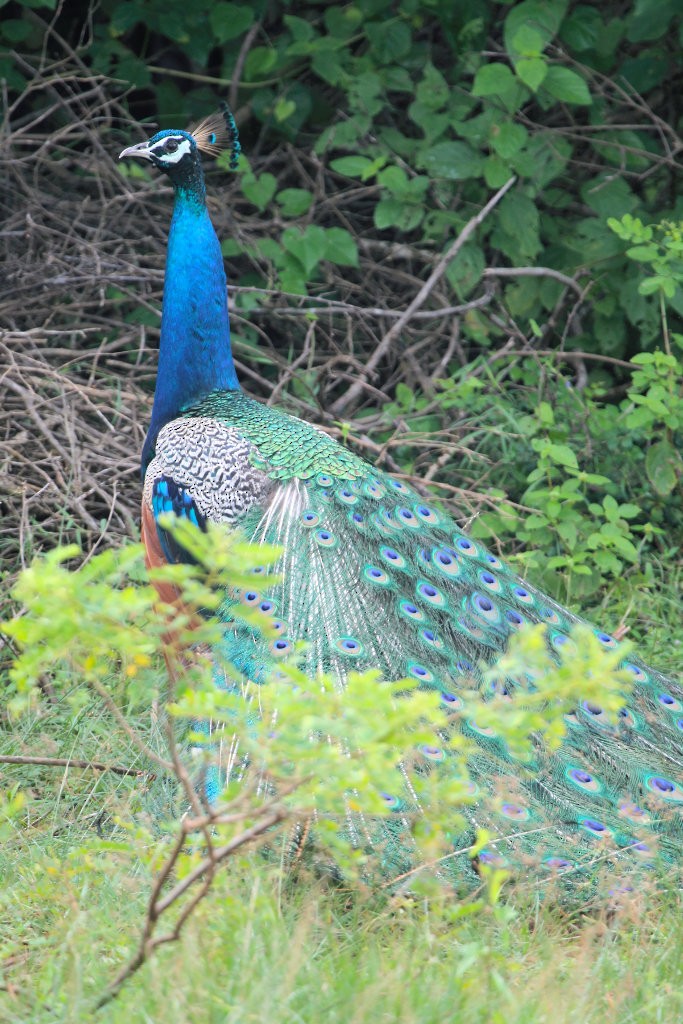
x,y
133,70
395,179
391,41
261,190
543,158
391,212
628,511
283,109
663,467
14,30
496,172
228,21
645,73
329,67
569,533
528,41
518,218
432,122
561,454
308,247
401,186
397,79
464,273
650,19
582,29
493,80
508,138
536,522
124,18
352,166
565,85
294,201
291,278
365,91
653,284
404,396
544,412
259,63
543,16
609,196
433,90
532,72
343,21
625,547
452,160
231,247
341,247
302,30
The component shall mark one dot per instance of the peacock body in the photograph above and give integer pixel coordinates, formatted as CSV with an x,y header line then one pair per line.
x,y
374,575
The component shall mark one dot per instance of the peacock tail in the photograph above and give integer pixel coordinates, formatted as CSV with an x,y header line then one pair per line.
x,y
373,575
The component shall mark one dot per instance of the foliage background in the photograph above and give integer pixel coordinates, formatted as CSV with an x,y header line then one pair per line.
x,y
537,391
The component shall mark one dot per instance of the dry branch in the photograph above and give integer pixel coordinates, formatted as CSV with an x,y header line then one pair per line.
x,y
69,762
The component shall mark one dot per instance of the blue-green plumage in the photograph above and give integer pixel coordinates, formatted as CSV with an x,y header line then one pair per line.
x,y
375,575
195,356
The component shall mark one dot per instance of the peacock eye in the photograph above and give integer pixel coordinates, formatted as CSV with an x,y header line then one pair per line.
x,y
170,146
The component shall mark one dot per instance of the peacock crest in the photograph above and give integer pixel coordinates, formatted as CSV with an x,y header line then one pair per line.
x,y
217,134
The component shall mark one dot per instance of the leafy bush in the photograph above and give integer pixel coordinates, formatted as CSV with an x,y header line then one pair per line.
x,y
310,755
435,104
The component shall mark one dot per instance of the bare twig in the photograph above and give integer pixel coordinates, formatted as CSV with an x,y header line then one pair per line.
x,y
69,762
241,59
331,307
564,279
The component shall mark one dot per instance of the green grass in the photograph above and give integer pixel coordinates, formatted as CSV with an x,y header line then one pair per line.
x,y
75,884
258,952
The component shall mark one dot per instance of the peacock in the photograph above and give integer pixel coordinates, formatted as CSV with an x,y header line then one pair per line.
x,y
375,575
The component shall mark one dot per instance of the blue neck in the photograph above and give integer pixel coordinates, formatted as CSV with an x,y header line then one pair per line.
x,y
195,357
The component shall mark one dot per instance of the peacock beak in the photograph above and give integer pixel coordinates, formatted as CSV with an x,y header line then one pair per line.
x,y
141,150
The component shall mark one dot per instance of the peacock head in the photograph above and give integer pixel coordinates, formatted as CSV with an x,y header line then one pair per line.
x,y
177,152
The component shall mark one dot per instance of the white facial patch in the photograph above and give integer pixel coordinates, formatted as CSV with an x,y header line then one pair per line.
x,y
164,152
